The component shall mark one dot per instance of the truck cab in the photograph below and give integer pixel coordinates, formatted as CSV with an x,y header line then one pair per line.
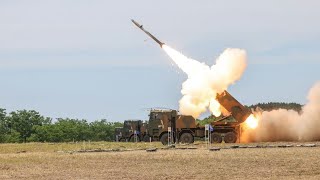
x,y
166,124
130,127
159,121
118,133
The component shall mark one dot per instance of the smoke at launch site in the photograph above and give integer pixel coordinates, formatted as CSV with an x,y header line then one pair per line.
x,y
204,82
289,125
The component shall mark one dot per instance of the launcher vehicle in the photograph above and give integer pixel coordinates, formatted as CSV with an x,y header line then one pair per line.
x,y
184,128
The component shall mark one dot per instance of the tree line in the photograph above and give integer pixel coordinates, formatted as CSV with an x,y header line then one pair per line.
x,y
31,126
277,105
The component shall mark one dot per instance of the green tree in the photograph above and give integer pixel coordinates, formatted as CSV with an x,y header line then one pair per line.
x,y
72,129
48,133
103,130
3,125
24,122
277,105
66,130
2,114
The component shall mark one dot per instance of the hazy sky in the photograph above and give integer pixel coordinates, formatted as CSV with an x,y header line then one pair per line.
x,y
85,59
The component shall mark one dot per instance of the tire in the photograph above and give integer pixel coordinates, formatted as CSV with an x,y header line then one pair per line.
x,y
164,139
186,138
122,140
216,138
230,137
132,139
146,138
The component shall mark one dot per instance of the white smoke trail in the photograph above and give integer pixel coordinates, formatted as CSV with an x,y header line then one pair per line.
x,y
289,125
204,82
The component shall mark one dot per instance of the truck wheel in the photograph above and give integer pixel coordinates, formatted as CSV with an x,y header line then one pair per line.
x,y
122,140
146,138
164,139
132,139
186,138
230,137
216,138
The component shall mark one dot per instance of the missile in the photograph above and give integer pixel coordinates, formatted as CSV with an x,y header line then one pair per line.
x,y
149,34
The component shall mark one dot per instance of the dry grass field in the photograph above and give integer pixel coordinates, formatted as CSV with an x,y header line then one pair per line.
x,y
57,161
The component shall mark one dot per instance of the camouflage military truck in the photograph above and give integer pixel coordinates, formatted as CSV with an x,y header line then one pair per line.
x,y
185,129
126,133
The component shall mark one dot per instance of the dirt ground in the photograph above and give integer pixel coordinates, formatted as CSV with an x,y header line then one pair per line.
x,y
248,163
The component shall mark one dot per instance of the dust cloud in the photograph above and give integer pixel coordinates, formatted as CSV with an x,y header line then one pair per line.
x,y
288,125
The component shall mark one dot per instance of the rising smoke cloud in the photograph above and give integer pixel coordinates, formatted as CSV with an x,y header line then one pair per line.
x,y
204,82
289,125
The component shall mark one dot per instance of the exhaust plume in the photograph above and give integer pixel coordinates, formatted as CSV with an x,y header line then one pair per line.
x,y
289,125
204,82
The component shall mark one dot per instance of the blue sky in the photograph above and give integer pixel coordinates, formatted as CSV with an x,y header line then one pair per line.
x,y
85,59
